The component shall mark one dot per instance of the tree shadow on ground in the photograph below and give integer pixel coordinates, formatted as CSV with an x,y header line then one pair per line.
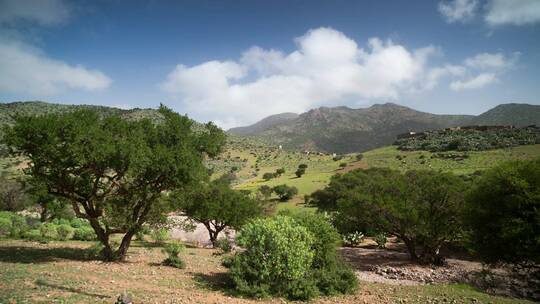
x,y
23,254
216,281
69,289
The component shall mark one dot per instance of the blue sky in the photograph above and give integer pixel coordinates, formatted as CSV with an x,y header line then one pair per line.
x,y
235,62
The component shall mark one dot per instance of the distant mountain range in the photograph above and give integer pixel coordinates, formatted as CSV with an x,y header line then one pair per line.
x,y
345,130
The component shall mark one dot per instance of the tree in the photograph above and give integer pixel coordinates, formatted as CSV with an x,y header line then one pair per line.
x,y
299,172
268,176
113,171
52,206
285,192
421,208
280,171
266,191
302,166
216,206
12,195
504,213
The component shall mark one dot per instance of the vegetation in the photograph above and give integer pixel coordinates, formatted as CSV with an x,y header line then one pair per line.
x,y
421,208
472,139
112,170
285,192
504,213
216,206
173,251
283,257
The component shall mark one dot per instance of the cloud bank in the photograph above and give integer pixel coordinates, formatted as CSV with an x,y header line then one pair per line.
x,y
24,68
327,68
458,10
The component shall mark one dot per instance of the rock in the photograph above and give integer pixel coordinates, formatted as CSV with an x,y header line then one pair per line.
x,y
124,299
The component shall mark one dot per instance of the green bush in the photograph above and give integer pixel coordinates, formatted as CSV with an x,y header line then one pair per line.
x,y
64,232
84,233
380,239
285,192
224,245
18,226
276,260
78,223
173,250
160,235
5,226
33,235
48,231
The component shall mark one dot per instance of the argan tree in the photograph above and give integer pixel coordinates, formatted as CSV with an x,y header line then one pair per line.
x,y
216,206
422,208
111,170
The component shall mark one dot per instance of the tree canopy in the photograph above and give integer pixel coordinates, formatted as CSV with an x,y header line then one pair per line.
x,y
113,171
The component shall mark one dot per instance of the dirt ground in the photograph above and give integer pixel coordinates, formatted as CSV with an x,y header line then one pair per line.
x,y
59,272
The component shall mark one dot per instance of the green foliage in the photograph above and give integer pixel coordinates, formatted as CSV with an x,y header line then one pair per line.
x,y
359,156
84,233
343,165
48,231
5,226
64,232
217,206
380,239
266,191
280,171
277,256
160,235
173,251
265,267
302,166
504,213
12,195
268,176
116,166
470,139
299,172
33,235
421,208
224,245
353,239
285,192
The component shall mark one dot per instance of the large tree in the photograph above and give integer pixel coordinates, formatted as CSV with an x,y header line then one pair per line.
x,y
421,208
504,213
216,206
113,171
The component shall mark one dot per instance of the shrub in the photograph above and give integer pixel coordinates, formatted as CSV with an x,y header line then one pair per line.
x,y
64,232
276,260
5,226
285,192
280,171
172,250
503,213
299,172
359,157
33,235
380,239
84,233
268,176
160,235
353,239
141,232
48,231
343,165
78,223
302,166
18,226
224,245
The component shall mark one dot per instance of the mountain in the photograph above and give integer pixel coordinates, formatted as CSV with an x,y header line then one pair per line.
x,y
517,114
345,130
266,123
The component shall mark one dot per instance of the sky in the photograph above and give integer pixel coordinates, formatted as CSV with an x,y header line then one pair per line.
x,y
236,62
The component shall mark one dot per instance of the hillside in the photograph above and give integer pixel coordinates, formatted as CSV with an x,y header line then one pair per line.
x,y
266,123
346,130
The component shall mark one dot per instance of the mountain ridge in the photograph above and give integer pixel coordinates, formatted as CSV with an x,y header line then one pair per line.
x,y
344,130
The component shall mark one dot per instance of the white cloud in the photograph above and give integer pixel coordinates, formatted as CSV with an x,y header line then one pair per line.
x,y
487,60
26,70
514,12
477,82
327,67
43,12
458,10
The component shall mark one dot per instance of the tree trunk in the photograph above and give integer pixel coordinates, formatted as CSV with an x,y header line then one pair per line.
x,y
411,248
431,255
121,253
108,254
